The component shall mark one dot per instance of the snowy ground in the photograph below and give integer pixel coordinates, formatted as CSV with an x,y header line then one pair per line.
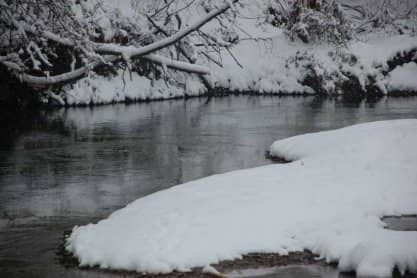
x,y
329,200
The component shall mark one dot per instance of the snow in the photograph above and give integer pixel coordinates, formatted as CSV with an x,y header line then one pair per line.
x,y
373,52
376,50
269,65
403,78
329,200
274,66
102,90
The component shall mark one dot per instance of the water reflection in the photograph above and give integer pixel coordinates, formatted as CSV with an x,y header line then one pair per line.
x,y
73,165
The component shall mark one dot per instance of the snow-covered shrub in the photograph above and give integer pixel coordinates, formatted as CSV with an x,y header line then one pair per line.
x,y
278,12
397,8
389,16
321,73
319,21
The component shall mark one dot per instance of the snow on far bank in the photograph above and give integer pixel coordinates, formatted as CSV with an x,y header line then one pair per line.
x,y
102,90
278,65
265,66
270,65
376,50
329,200
403,78
268,61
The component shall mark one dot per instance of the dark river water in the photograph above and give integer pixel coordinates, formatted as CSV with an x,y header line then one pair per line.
x,y
72,166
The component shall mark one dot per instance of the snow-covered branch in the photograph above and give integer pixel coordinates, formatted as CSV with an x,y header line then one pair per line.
x,y
75,74
178,65
207,82
131,51
61,78
39,40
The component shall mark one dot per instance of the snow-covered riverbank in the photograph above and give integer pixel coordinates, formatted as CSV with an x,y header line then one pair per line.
x,y
271,66
329,200
264,59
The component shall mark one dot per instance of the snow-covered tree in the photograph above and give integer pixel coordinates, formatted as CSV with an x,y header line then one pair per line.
x,y
45,42
318,20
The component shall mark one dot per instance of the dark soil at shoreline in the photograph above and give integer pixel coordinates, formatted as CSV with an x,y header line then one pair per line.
x,y
249,261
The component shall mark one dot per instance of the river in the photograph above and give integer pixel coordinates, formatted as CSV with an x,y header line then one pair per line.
x,y
66,167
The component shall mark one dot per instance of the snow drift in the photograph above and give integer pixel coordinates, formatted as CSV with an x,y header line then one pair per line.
x,y
329,200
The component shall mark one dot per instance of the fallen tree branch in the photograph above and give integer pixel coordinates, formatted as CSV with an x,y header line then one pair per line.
x,y
191,68
75,74
203,79
61,78
132,52
178,65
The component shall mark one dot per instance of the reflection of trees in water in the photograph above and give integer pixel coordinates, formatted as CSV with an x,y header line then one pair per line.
x,y
15,123
91,159
26,138
340,111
